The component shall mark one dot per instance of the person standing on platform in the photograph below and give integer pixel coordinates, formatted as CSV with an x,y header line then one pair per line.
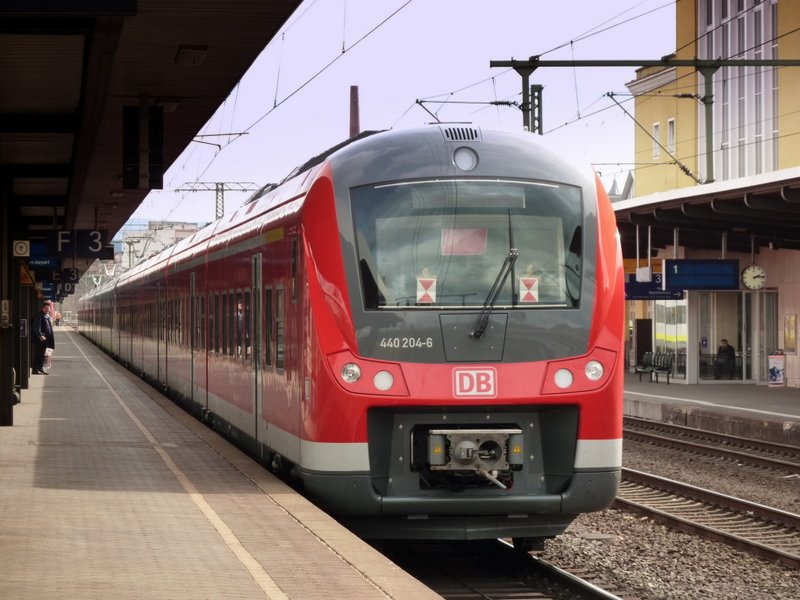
x,y
42,336
726,360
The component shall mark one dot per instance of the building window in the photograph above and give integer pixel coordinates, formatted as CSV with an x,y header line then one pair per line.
x,y
745,98
656,140
671,136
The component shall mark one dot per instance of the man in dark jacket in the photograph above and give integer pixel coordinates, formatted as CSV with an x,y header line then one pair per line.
x,y
42,337
726,361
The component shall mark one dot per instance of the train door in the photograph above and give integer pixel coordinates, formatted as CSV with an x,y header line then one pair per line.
x,y
266,365
766,333
644,338
255,319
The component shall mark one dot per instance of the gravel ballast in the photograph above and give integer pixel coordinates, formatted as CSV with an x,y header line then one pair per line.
x,y
659,563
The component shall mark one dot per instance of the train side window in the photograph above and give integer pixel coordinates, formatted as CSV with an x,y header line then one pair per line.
x,y
174,323
217,324
267,320
177,335
182,330
204,325
162,324
226,324
200,341
246,321
178,325
222,309
218,329
280,350
231,314
239,325
212,322
293,246
188,327
181,302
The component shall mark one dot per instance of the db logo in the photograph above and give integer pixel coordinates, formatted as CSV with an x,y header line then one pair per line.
x,y
474,382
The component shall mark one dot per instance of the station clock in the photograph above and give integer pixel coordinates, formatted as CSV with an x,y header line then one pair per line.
x,y
754,277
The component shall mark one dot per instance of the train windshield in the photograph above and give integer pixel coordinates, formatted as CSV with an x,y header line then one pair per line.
x,y
443,243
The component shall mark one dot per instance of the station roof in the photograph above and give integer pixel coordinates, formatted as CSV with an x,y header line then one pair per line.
x,y
762,210
68,68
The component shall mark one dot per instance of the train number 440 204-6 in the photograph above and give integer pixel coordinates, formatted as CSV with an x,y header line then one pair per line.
x,y
406,342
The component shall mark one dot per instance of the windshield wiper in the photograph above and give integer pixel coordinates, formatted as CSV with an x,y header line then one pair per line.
x,y
494,292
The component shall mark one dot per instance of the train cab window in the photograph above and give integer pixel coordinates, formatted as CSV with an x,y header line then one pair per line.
x,y
445,244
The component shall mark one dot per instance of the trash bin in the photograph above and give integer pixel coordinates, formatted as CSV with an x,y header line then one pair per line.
x,y
777,369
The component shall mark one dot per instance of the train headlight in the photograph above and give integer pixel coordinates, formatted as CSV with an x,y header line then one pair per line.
x,y
383,380
351,372
356,375
465,158
563,378
594,370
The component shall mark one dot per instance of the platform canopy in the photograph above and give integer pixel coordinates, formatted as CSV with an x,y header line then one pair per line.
x,y
747,213
69,69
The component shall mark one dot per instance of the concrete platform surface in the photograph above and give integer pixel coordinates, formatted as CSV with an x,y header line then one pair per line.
x,y
756,411
108,490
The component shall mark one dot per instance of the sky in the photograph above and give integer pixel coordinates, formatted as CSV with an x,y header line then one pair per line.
x,y
294,102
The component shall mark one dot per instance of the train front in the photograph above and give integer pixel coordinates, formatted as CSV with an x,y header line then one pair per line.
x,y
470,329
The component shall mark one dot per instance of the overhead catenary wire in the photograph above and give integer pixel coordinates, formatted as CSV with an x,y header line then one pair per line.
x,y
450,97
345,49
681,166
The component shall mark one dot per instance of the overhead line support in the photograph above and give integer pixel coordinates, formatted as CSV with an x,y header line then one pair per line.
x,y
706,67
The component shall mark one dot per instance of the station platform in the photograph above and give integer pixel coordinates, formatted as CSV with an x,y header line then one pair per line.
x,y
109,490
760,412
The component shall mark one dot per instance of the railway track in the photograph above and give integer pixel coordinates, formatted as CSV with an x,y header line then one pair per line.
x,y
493,570
779,457
764,531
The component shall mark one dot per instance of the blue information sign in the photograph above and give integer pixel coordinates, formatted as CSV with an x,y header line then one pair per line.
x,y
44,263
701,274
76,243
649,290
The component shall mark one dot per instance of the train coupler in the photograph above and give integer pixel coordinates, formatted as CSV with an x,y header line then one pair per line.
x,y
485,452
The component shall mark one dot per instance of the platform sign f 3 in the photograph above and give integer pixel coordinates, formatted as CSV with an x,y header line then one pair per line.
x,y
474,383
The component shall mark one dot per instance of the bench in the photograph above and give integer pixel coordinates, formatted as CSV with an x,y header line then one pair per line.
x,y
662,364
646,365
659,363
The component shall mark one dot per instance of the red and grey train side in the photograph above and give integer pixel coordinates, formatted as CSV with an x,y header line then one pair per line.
x,y
425,326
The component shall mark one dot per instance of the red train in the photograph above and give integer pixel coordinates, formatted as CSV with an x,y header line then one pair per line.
x,y
424,326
